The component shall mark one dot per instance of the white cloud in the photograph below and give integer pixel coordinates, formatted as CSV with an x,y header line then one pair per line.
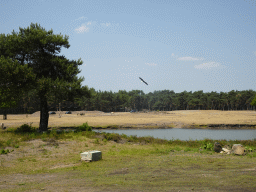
x,y
83,28
172,55
207,65
189,59
151,64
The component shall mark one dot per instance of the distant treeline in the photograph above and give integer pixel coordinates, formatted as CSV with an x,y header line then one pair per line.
x,y
122,100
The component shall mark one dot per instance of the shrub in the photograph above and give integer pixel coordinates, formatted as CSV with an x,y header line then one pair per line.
x,y
84,127
112,136
148,139
4,151
124,136
25,128
208,146
132,138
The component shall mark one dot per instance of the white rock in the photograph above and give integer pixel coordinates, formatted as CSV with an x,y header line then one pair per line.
x,y
91,156
238,149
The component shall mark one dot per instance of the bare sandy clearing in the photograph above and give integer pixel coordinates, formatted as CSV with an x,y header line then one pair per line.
x,y
146,120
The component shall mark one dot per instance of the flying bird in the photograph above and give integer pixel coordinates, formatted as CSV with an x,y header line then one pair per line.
x,y
143,81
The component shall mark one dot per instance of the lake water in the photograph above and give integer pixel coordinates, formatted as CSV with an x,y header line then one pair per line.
x,y
189,134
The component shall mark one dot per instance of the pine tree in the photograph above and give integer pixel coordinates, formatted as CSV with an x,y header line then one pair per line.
x,y
38,50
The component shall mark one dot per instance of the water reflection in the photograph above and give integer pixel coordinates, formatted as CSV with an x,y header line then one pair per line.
x,y
189,134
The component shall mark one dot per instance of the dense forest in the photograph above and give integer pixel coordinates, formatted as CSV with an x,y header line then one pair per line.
x,y
122,100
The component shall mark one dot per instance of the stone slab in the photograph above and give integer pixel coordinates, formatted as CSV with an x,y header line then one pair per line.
x,y
91,155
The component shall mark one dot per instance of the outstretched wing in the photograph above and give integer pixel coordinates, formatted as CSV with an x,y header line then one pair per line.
x,y
143,81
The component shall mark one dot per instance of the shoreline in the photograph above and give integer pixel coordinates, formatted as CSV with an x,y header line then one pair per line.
x,y
140,127
178,125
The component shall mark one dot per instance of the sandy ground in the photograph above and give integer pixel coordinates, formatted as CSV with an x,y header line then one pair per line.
x,y
178,119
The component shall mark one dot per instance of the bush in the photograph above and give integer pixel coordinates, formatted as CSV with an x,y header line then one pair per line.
x,y
4,151
25,128
84,127
132,138
112,136
208,146
148,139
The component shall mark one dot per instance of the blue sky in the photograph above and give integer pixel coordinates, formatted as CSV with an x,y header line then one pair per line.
x,y
172,44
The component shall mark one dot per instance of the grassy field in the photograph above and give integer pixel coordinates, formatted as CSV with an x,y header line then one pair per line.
x,y
51,162
166,119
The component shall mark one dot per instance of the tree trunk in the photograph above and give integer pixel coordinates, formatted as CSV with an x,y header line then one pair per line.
x,y
5,115
44,115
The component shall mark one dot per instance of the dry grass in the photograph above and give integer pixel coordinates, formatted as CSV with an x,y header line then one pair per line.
x,y
146,120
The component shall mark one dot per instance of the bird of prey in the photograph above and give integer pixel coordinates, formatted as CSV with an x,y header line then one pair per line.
x,y
143,81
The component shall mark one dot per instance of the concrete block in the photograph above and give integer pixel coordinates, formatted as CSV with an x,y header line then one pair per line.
x,y
91,155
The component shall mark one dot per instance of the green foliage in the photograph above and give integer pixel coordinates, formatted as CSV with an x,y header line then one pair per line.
x,y
112,136
84,127
167,100
25,128
159,100
33,52
254,101
14,80
208,146
248,149
2,151
146,139
132,138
